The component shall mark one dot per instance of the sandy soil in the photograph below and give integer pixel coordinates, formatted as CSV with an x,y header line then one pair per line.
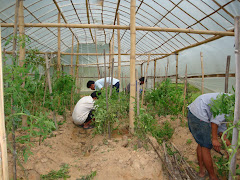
x,y
85,153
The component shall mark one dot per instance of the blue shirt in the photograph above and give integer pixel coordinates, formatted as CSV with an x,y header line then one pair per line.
x,y
100,83
201,109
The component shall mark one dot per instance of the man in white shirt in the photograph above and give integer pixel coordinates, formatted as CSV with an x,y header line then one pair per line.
x,y
82,113
99,84
205,130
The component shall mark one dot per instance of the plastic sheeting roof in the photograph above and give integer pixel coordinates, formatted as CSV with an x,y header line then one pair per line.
x,y
217,15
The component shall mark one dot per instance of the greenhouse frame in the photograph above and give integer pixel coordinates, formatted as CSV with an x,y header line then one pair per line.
x,y
126,39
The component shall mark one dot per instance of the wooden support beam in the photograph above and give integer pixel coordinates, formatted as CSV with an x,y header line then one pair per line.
x,y
119,49
21,33
76,71
138,28
227,74
97,55
176,69
202,68
145,79
154,78
185,92
3,137
235,134
59,46
72,55
132,65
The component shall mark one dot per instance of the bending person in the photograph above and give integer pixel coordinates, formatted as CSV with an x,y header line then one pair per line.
x,y
99,84
83,111
205,130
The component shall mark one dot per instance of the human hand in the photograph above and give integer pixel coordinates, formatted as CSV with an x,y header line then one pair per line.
x,y
216,145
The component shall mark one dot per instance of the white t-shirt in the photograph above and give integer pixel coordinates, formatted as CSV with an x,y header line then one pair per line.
x,y
100,83
82,109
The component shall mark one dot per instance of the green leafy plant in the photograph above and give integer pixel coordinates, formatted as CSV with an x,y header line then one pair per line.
x,y
189,141
89,177
62,173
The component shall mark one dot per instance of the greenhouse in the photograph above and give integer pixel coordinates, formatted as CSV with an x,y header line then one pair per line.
x,y
119,89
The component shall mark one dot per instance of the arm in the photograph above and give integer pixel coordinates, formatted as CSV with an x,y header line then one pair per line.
x,y
216,144
228,143
98,85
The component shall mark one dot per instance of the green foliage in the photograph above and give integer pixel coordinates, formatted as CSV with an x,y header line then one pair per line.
x,y
62,173
222,166
89,177
117,109
189,141
165,99
146,123
225,104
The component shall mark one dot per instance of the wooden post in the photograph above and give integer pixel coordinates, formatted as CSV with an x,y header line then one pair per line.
x,y
142,70
50,86
184,93
132,64
72,55
76,70
227,73
154,78
59,46
3,137
176,69
201,55
138,88
119,50
235,134
110,58
21,33
97,55
145,79
111,85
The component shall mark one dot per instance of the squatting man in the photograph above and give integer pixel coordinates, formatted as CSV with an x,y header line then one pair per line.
x,y
83,111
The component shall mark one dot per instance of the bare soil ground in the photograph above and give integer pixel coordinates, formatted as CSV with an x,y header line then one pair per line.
x,y
118,158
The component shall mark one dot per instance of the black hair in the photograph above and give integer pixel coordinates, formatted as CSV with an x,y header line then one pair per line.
x,y
95,94
141,79
89,83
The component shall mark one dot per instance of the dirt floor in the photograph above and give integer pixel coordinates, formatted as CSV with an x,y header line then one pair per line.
x,y
118,158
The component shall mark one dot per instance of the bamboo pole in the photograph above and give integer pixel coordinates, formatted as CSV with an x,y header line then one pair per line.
x,y
76,70
59,46
154,78
111,84
184,93
97,55
12,107
72,55
132,65
142,70
202,68
110,58
176,69
21,33
50,86
138,88
235,135
3,138
145,79
119,49
137,28
227,73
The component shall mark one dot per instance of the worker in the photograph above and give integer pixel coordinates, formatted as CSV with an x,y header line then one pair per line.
x,y
83,111
141,80
205,130
99,84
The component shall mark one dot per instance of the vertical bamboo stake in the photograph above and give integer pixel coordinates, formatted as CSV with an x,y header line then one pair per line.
x,y
110,58
184,93
76,70
50,86
138,88
132,64
3,138
176,69
201,55
119,50
111,84
97,55
21,33
145,79
235,134
154,78
59,46
72,55
227,73
142,70
106,87
12,107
